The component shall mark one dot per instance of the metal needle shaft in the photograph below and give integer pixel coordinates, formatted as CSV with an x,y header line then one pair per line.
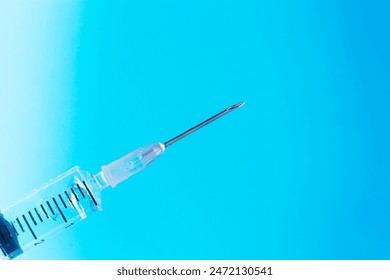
x,y
202,124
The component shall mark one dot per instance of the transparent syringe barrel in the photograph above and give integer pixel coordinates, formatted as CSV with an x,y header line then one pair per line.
x,y
49,209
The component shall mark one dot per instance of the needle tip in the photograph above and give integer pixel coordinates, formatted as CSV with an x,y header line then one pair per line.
x,y
235,106
213,118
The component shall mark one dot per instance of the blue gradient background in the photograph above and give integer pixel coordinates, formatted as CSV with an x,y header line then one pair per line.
x,y
300,172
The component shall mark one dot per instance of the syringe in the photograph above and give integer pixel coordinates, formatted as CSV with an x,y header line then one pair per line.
x,y
66,199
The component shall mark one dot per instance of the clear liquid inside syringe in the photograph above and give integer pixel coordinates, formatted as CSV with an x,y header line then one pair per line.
x,y
57,205
64,201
